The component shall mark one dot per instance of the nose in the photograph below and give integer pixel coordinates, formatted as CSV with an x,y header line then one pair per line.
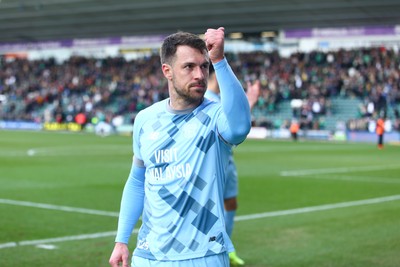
x,y
199,73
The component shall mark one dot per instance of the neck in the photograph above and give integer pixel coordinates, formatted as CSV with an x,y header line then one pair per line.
x,y
177,103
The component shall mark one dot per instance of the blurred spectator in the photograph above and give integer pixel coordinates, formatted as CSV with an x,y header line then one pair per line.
x,y
294,129
380,130
47,91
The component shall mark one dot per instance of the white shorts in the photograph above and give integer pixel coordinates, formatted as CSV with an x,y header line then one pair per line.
x,y
219,260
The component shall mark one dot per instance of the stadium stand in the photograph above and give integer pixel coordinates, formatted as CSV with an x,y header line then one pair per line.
x,y
330,87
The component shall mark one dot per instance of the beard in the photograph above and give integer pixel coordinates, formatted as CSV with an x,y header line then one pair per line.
x,y
192,93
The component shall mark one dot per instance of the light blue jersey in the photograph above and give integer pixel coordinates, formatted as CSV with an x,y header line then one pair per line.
x,y
231,188
177,177
212,96
183,198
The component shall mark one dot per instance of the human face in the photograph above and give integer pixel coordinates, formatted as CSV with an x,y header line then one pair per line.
x,y
187,77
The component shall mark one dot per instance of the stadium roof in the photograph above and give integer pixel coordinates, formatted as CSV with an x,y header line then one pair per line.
x,y
43,20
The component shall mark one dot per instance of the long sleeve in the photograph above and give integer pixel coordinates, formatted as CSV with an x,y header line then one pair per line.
x,y
131,203
236,122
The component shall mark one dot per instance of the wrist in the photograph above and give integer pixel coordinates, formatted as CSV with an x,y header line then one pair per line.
x,y
215,61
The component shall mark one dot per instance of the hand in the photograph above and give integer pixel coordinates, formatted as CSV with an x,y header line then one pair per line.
x,y
253,92
215,43
119,255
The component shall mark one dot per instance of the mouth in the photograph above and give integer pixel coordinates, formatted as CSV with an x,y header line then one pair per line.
x,y
199,89
198,86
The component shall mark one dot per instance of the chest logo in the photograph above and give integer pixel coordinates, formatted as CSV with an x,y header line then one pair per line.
x,y
154,135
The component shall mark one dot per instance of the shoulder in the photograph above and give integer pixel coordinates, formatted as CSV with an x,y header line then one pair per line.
x,y
149,112
209,104
154,108
212,96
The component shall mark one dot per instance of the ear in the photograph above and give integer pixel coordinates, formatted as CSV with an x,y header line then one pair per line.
x,y
167,71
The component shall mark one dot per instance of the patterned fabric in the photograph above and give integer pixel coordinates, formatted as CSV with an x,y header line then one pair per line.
x,y
185,159
231,183
220,260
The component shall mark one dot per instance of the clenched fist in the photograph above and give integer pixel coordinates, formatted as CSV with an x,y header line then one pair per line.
x,y
214,39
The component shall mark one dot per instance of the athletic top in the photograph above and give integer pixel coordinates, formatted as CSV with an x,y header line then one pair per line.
x,y
177,175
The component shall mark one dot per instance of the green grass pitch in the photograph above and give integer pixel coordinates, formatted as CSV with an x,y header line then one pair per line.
x,y
300,204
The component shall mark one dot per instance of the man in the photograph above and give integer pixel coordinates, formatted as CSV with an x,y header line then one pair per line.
x,y
294,129
380,130
231,182
181,147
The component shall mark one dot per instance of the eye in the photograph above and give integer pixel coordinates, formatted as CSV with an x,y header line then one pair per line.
x,y
205,66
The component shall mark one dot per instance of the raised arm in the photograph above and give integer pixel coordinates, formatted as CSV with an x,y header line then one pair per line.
x,y
236,122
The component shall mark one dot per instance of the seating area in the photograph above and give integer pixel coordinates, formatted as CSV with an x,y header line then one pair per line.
x,y
318,88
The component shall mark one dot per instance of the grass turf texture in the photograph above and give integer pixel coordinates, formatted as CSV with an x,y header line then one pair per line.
x,y
87,171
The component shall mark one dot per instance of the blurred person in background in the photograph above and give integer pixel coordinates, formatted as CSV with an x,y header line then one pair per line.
x,y
294,129
181,147
231,180
380,130
397,120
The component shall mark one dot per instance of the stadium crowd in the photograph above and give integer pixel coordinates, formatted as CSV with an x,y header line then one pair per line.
x,y
101,89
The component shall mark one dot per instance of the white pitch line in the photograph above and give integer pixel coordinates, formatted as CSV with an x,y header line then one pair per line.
x,y
337,170
59,239
238,218
65,238
57,207
8,245
318,208
363,179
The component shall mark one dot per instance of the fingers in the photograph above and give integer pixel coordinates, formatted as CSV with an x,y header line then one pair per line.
x,y
116,262
219,29
214,39
249,86
113,263
125,261
119,255
213,35
255,87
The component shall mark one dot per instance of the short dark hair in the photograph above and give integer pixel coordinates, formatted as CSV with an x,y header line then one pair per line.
x,y
171,43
